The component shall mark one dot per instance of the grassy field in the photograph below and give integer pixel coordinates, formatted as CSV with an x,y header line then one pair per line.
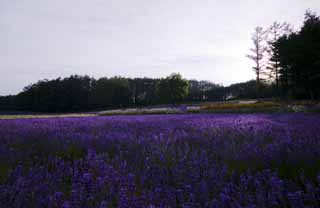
x,y
25,116
249,106
242,106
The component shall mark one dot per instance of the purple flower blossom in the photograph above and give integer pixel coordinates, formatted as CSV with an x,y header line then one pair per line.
x,y
224,160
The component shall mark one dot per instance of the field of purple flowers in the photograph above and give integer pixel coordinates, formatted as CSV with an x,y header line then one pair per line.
x,y
225,160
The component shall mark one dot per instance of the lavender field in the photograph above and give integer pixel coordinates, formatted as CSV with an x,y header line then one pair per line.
x,y
223,160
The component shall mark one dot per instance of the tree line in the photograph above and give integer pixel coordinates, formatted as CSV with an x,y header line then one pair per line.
x,y
83,93
288,59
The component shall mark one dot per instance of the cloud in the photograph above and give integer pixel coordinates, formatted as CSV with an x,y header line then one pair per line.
x,y
200,39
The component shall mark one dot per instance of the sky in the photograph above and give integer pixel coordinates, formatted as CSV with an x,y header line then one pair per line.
x,y
201,39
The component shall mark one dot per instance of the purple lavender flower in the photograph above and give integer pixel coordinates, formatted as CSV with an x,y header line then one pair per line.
x,y
223,160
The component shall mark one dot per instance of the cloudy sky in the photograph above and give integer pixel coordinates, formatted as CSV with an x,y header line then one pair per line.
x,y
202,39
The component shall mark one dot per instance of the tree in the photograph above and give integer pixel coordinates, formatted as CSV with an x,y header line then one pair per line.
x,y
172,89
203,91
310,54
111,93
258,52
143,91
274,32
298,55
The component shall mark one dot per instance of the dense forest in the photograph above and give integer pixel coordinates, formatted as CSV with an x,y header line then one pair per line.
x,y
83,93
287,66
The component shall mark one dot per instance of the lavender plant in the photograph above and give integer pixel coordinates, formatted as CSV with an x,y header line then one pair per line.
x,y
224,160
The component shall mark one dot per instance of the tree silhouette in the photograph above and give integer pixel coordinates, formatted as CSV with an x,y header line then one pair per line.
x,y
258,51
274,32
298,55
173,89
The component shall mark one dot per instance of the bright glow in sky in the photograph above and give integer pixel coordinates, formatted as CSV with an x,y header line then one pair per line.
x,y
201,39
